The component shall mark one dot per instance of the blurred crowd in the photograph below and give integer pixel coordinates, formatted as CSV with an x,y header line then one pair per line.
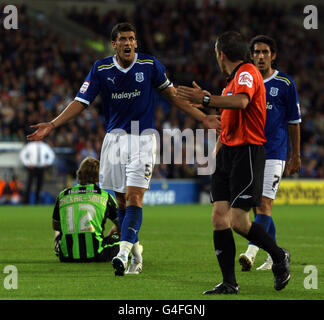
x,y
40,73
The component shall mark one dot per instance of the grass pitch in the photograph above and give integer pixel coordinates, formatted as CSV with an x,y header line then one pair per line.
x,y
179,260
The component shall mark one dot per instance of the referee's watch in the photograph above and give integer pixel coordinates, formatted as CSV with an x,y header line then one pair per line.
x,y
206,100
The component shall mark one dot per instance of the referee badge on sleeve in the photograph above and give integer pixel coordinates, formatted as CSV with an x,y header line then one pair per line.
x,y
245,78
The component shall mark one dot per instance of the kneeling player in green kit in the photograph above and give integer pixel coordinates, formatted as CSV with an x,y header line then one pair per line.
x,y
79,219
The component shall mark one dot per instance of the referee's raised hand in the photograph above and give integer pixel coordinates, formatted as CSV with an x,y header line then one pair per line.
x,y
193,95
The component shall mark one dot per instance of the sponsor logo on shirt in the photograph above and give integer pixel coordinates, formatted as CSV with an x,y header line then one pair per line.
x,y
125,95
84,87
245,78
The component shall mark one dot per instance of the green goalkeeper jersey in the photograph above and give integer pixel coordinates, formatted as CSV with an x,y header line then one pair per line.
x,y
82,212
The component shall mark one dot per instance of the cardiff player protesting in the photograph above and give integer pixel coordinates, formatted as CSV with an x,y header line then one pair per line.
x,y
283,117
126,82
237,182
79,219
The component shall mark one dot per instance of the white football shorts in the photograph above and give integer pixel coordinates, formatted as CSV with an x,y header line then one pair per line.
x,y
127,160
273,172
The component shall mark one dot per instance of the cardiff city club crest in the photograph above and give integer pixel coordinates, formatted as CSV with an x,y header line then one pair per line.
x,y
273,91
139,76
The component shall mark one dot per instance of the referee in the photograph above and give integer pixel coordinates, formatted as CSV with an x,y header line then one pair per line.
x,y
238,180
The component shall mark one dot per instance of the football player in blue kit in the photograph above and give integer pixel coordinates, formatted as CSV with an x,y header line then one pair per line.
x,y
126,83
283,119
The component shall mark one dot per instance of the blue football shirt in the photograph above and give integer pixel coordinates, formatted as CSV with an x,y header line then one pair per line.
x,y
127,94
282,109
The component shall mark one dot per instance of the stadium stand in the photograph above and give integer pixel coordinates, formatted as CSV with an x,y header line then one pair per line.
x,y
41,70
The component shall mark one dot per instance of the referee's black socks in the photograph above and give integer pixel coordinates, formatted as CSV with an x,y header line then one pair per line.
x,y
225,251
258,236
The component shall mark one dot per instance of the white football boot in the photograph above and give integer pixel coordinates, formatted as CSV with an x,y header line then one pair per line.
x,y
267,264
136,266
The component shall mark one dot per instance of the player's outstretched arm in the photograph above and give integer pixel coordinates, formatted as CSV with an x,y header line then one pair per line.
x,y
209,121
44,128
170,94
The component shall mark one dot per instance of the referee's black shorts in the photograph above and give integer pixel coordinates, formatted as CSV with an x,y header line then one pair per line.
x,y
238,177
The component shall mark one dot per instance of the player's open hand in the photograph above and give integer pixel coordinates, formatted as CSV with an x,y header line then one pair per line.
x,y
42,130
194,95
294,165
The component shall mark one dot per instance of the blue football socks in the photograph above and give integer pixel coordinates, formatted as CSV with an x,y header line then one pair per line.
x,y
131,224
266,222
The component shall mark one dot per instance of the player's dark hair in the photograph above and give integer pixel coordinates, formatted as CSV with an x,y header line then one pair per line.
x,y
264,39
88,171
121,27
233,44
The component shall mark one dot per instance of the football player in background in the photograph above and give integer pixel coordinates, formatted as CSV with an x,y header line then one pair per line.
x,y
79,218
283,119
125,82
